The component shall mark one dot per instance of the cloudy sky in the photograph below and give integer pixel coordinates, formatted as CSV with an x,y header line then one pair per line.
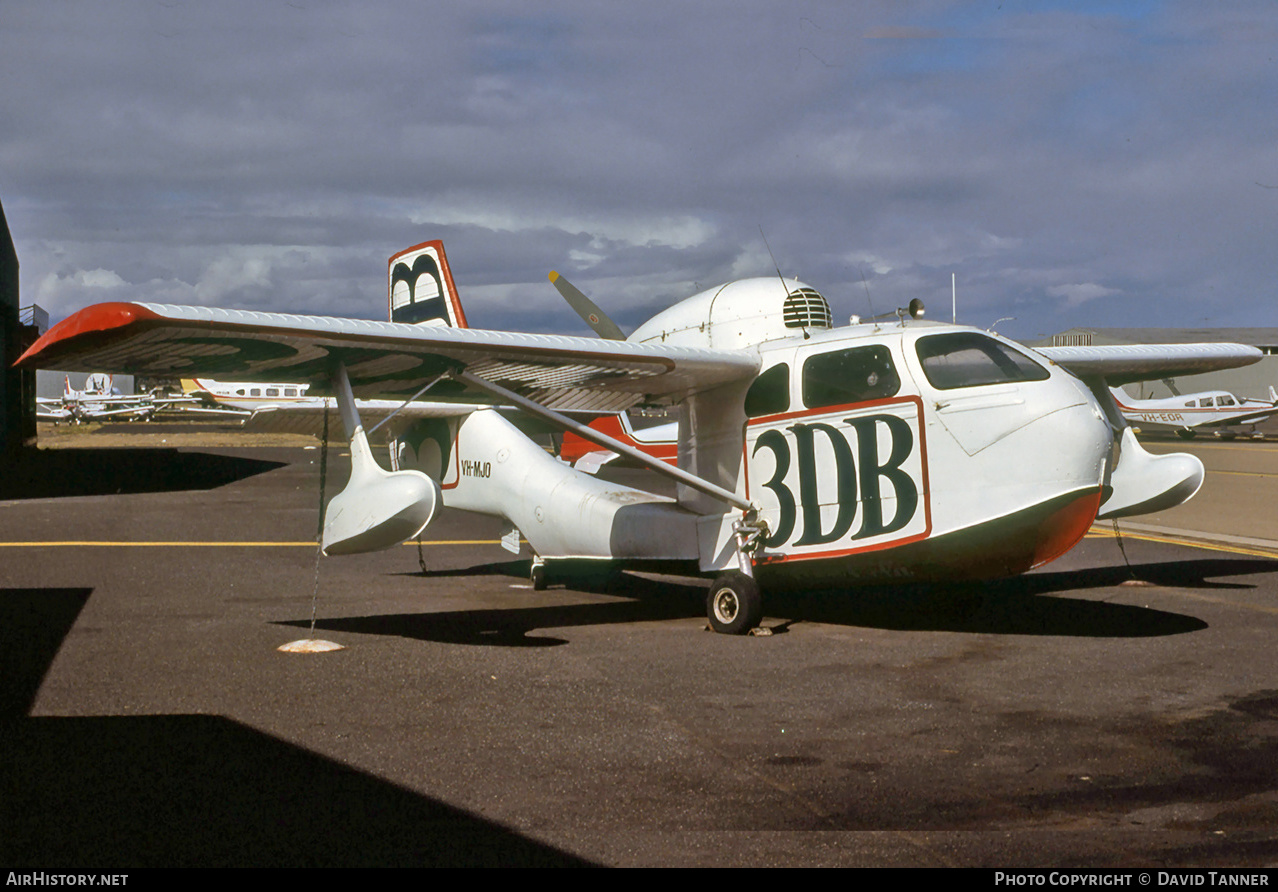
x,y
1073,163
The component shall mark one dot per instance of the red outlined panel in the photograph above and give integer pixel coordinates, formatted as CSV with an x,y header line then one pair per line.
x,y
454,463
840,480
437,266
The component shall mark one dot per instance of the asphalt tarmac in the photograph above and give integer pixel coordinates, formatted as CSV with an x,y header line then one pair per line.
x,y
1106,710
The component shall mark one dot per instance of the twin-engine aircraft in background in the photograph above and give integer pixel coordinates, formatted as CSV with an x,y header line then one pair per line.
x,y
806,454
1185,413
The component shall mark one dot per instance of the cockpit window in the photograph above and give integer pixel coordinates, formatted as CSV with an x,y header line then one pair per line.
x,y
849,376
969,359
770,392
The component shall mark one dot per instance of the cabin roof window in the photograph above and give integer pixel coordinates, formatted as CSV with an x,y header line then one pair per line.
x,y
855,375
970,359
770,392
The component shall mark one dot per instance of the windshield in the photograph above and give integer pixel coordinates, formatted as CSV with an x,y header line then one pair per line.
x,y
970,359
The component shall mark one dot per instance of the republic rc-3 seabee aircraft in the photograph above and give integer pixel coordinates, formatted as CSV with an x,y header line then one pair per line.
x,y
808,455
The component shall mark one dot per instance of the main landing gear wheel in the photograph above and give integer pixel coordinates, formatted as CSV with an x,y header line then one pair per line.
x,y
1186,434
537,576
735,604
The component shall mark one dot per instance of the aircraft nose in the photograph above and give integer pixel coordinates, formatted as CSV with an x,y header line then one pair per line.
x,y
1035,454
1081,441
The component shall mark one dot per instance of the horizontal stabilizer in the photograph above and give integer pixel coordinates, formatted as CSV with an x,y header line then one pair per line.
x,y
309,419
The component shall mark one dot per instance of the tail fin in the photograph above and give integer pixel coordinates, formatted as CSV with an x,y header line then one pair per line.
x,y
421,287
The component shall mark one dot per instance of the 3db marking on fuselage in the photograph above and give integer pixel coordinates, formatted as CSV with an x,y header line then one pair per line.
x,y
840,479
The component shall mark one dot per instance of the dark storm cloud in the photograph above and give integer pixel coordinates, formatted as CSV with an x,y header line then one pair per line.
x,y
1072,163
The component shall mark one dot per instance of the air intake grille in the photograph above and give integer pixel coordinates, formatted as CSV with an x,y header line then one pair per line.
x,y
806,308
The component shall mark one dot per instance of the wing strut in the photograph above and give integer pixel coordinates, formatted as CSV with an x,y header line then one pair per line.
x,y
607,442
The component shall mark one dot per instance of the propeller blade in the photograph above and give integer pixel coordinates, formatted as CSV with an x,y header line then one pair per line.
x,y
586,309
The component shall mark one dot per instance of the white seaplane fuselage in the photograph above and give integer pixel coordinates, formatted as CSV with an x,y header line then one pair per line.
x,y
903,450
873,452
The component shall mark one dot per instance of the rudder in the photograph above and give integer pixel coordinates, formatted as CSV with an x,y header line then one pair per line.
x,y
421,289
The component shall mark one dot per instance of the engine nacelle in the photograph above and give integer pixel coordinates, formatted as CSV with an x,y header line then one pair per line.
x,y
739,314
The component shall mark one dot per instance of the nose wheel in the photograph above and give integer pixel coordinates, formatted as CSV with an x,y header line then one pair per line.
x,y
734,604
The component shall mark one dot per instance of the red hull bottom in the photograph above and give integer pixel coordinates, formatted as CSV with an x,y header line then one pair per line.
x,y
998,548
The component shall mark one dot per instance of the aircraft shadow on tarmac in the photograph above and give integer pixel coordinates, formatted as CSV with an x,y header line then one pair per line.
x,y
49,473
199,790
1036,604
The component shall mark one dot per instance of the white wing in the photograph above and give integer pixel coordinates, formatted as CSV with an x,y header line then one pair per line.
x,y
1125,363
382,358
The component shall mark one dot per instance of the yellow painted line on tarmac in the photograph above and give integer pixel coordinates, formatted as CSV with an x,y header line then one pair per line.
x,y
1210,546
1096,533
90,543
1244,443
1252,446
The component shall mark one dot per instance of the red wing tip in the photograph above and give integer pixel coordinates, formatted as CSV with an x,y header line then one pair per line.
x,y
89,321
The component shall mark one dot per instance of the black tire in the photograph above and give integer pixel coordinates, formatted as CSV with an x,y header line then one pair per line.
x,y
1186,434
734,604
537,576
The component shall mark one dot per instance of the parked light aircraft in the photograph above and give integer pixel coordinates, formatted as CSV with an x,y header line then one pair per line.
x,y
1185,413
100,400
807,454
249,396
